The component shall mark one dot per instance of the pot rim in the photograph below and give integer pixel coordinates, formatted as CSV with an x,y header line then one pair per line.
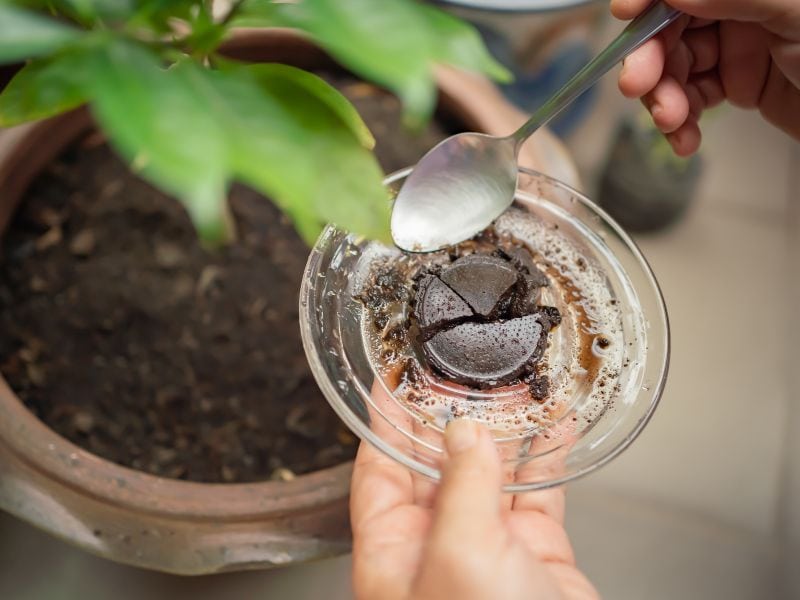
x,y
49,453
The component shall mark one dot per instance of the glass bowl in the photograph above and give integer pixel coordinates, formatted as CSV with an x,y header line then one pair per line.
x,y
607,361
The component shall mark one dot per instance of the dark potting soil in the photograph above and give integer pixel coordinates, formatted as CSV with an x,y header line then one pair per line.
x,y
396,147
130,339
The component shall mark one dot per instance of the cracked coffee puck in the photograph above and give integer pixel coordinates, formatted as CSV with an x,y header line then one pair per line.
x,y
479,321
484,282
438,305
485,354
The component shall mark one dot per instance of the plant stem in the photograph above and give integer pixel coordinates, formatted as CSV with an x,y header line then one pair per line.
x,y
232,12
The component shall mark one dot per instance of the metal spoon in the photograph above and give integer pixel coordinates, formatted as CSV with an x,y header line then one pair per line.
x,y
465,182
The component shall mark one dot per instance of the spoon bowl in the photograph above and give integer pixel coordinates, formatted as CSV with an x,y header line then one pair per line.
x,y
480,170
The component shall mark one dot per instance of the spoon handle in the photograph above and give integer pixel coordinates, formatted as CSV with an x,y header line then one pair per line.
x,y
638,31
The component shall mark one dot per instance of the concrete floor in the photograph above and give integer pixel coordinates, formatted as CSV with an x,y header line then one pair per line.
x,y
698,507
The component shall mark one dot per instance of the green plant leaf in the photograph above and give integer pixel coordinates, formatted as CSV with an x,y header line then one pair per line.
x,y
89,10
394,43
345,182
461,46
159,15
191,131
206,32
325,93
25,34
153,118
44,88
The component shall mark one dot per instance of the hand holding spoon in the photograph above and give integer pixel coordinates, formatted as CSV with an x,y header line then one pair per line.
x,y
465,182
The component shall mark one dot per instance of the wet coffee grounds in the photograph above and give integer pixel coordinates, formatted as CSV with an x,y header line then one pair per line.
x,y
470,314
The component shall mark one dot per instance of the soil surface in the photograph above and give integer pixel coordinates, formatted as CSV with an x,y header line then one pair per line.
x,y
127,337
396,147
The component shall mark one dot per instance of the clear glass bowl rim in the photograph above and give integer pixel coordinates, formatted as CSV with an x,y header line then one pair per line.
x,y
366,434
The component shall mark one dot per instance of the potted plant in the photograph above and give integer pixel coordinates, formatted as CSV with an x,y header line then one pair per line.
x,y
644,185
168,87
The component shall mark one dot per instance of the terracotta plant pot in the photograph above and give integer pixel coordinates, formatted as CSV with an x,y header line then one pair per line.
x,y
178,526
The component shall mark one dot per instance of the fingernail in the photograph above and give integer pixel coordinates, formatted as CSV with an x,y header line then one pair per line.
x,y
656,109
460,435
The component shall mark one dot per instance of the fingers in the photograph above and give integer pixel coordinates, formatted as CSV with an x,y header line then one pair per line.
x,y
628,9
786,55
685,140
704,91
467,506
780,103
740,10
744,62
642,70
544,537
548,502
696,23
379,483
572,583
548,458
753,70
677,78
668,104
703,46
424,488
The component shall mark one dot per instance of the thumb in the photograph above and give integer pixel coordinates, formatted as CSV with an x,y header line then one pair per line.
x,y
468,500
